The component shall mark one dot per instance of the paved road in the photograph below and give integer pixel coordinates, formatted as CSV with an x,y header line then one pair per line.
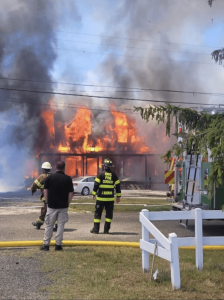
x,y
18,210
125,227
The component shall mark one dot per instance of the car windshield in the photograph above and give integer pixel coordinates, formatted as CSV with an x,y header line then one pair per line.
x,y
78,178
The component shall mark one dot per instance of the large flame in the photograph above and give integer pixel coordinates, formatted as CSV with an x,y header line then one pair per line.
x,y
77,134
77,137
121,126
49,120
79,128
48,117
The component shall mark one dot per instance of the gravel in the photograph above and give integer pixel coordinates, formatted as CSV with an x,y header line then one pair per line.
x,y
21,277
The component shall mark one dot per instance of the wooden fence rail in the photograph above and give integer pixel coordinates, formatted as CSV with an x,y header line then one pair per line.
x,y
167,248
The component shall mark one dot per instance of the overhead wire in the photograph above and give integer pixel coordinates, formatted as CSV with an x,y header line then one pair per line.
x,y
134,89
108,97
138,57
123,46
65,105
140,40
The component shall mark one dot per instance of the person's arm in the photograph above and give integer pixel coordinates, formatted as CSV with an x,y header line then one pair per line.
x,y
70,195
70,190
96,187
36,185
118,190
46,195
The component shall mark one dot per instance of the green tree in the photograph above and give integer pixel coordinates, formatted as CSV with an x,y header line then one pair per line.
x,y
217,55
202,131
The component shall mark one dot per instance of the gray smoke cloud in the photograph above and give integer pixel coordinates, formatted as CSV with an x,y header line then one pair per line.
x,y
27,51
171,29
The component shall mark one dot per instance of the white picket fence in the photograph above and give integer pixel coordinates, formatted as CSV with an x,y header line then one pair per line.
x,y
167,248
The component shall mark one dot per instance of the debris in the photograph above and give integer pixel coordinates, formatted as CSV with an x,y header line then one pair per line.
x,y
155,274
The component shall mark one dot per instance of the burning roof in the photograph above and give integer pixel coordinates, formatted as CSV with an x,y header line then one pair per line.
x,y
120,135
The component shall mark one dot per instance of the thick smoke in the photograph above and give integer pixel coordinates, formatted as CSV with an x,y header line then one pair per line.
x,y
171,29
27,52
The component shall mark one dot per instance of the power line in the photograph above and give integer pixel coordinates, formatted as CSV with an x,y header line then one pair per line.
x,y
117,46
138,57
65,105
134,89
133,39
107,97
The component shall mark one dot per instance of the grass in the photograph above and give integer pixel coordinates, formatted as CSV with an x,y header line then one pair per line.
x,y
116,273
161,205
118,208
149,201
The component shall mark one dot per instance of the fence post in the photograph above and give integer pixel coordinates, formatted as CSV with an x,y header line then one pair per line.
x,y
198,239
174,264
145,254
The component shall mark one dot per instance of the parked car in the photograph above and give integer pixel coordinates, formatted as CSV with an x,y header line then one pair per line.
x,y
83,185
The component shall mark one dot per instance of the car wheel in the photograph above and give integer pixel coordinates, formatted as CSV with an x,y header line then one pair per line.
x,y
85,191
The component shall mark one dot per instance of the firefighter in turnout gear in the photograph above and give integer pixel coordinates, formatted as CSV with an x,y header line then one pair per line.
x,y
38,184
103,192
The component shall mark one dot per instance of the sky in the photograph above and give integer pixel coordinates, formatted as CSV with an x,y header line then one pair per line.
x,y
129,51
143,44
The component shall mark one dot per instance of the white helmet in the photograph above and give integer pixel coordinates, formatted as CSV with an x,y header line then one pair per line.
x,y
46,165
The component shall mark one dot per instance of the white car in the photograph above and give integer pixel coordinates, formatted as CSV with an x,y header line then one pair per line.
x,y
83,185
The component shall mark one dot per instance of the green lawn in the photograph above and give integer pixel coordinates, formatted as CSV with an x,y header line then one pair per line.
x,y
150,201
116,273
161,204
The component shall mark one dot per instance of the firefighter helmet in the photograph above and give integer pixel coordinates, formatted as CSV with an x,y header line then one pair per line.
x,y
46,165
107,163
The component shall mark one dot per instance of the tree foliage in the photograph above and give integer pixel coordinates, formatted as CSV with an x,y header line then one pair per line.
x,y
210,2
218,55
202,132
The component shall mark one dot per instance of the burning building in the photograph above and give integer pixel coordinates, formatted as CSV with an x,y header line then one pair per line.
x,y
87,139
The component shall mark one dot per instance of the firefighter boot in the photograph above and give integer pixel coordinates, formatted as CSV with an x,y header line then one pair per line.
x,y
106,227
96,228
37,224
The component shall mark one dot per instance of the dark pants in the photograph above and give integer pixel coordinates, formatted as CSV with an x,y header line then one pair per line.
x,y
42,213
109,207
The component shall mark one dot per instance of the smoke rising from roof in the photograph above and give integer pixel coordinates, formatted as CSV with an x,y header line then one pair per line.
x,y
27,51
170,28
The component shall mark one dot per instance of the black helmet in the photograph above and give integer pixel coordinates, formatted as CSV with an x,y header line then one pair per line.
x,y
107,163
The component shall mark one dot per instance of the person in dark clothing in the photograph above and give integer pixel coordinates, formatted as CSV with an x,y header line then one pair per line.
x,y
58,192
103,192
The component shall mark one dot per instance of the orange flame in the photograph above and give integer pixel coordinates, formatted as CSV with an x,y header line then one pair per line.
x,y
80,127
77,135
63,148
33,174
121,125
49,120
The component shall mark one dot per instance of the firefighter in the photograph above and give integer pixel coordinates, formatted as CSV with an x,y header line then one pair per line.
x,y
103,192
38,184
